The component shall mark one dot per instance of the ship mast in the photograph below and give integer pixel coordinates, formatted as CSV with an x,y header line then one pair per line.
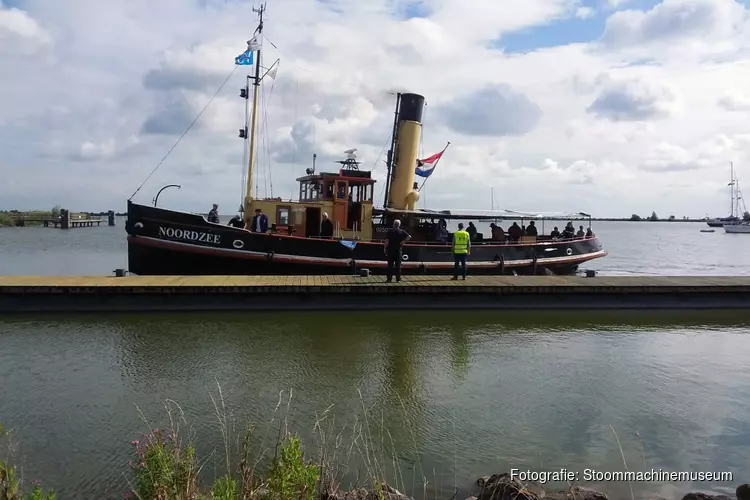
x,y
731,189
254,114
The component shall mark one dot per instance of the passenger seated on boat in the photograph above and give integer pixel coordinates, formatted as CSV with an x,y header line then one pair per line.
x,y
555,233
472,230
589,233
236,221
569,230
326,227
497,232
580,232
442,231
514,232
213,214
531,229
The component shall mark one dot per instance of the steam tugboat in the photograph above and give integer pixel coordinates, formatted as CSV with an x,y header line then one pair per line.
x,y
168,242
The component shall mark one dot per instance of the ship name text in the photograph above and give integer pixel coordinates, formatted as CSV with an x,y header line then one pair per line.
x,y
188,235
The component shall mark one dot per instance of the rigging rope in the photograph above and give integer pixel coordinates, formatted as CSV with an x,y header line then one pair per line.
x,y
185,132
265,134
387,142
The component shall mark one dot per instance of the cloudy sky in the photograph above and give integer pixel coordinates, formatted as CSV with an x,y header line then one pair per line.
x,y
607,106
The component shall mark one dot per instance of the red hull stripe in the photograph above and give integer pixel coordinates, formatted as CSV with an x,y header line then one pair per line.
x,y
179,246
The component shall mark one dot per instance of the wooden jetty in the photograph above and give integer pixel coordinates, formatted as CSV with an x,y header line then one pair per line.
x,y
290,293
65,220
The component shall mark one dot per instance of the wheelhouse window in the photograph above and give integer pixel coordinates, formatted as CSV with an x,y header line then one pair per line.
x,y
283,216
341,190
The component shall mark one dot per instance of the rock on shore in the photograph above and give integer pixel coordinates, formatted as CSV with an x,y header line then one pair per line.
x,y
503,487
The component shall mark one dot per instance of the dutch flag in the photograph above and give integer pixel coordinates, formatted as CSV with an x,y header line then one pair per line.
x,y
427,166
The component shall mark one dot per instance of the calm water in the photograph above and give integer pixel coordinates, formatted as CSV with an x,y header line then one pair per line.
x,y
462,395
634,248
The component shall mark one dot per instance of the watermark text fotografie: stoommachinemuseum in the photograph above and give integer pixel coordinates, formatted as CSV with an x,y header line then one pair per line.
x,y
599,475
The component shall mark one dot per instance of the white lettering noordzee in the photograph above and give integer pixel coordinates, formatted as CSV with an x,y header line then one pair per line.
x,y
186,234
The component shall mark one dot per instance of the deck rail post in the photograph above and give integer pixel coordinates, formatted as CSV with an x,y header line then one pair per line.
x,y
64,219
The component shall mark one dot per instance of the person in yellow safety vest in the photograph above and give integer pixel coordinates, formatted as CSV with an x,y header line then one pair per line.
x,y
461,250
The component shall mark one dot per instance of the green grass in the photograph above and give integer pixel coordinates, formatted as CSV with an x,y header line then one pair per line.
x,y
6,220
272,465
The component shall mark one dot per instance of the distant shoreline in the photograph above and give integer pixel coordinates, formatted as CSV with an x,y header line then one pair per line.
x,y
8,214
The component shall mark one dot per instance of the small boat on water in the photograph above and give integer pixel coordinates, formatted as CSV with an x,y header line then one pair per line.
x,y
170,242
738,228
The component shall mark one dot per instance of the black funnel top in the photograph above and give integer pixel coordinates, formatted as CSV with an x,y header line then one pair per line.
x,y
411,107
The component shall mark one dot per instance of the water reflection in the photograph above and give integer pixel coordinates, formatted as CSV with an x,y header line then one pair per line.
x,y
460,395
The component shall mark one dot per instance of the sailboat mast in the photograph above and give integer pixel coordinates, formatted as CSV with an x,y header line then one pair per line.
x,y
254,115
731,189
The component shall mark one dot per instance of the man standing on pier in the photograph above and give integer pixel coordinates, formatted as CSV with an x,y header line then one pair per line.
x,y
461,250
393,247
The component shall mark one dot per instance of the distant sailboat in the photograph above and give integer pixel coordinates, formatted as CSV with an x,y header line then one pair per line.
x,y
734,198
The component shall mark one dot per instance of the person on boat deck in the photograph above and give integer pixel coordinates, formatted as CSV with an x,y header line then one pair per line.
x,y
569,230
497,232
589,233
213,214
461,250
326,227
472,230
442,231
580,232
236,221
531,229
555,233
259,222
515,232
393,247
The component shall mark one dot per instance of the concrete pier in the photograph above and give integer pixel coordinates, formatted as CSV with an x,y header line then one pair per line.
x,y
295,293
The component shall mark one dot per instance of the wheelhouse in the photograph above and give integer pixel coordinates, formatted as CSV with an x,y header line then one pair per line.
x,y
345,196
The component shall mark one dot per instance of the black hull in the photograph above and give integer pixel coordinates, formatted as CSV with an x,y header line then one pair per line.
x,y
165,242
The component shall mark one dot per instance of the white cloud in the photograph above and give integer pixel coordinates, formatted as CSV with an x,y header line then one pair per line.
x,y
634,100
585,12
646,117
674,28
735,102
20,33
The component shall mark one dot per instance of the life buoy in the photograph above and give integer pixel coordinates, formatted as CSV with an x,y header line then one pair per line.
x,y
569,251
238,244
404,257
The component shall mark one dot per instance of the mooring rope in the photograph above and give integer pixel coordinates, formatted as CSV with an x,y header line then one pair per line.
x,y
185,132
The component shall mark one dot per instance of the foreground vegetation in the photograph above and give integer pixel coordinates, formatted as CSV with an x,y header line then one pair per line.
x,y
165,466
260,466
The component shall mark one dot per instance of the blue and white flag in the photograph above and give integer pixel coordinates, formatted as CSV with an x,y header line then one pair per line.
x,y
348,244
244,59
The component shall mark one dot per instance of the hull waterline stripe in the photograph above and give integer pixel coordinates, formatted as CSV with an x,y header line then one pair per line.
x,y
301,259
